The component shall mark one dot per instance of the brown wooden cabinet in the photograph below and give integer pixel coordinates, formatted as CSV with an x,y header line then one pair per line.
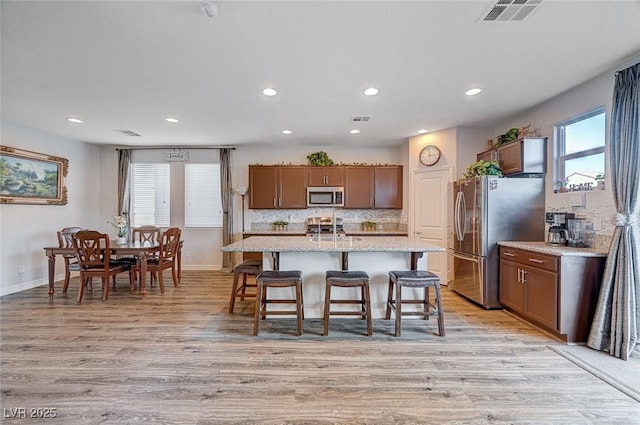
x,y
275,186
325,176
387,186
358,187
373,186
558,293
528,155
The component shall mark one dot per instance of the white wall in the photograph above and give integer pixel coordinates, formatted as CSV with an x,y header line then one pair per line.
x,y
26,229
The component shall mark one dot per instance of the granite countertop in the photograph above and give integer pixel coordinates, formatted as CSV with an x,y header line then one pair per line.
x,y
348,244
544,248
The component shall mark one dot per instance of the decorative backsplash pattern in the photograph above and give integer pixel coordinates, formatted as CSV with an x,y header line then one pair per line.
x,y
351,219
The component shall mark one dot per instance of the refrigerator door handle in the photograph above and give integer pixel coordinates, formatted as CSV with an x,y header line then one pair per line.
x,y
456,216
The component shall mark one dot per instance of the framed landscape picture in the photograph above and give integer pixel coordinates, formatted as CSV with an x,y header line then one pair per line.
x,y
32,178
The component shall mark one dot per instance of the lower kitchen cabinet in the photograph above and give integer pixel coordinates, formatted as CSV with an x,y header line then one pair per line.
x,y
558,293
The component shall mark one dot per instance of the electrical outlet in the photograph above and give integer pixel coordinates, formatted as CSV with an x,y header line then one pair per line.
x,y
597,223
187,254
21,268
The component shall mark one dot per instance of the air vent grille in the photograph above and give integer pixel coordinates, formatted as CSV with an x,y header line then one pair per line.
x,y
360,119
510,10
128,133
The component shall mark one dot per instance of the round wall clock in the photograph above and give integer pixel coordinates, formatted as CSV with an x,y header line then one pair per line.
x,y
429,155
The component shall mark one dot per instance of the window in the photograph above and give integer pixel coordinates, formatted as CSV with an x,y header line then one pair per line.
x,y
150,198
580,156
203,201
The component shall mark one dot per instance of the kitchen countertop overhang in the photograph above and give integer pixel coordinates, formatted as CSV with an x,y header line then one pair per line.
x,y
544,248
347,244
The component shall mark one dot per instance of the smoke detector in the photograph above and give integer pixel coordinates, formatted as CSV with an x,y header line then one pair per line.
x,y
209,9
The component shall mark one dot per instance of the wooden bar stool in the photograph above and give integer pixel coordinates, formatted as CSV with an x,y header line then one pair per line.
x,y
348,279
415,279
246,268
278,279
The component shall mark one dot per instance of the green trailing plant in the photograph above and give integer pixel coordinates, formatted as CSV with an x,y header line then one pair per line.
x,y
509,136
484,168
319,158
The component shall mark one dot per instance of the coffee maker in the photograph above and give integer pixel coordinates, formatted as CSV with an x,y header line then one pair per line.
x,y
558,234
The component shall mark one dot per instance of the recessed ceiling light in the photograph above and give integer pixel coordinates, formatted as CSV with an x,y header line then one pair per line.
x,y
472,92
287,131
171,120
354,131
269,92
423,131
371,91
74,120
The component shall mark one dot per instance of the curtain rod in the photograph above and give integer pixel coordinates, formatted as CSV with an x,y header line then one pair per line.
x,y
175,148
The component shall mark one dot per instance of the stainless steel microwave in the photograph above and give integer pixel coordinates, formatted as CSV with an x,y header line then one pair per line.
x,y
320,196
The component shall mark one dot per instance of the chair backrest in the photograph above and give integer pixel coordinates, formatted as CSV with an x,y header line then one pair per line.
x,y
146,234
91,248
65,236
169,242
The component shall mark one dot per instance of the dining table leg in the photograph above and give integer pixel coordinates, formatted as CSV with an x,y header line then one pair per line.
x,y
52,272
142,263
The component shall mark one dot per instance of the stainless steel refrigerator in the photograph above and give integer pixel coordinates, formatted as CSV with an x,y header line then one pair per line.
x,y
487,210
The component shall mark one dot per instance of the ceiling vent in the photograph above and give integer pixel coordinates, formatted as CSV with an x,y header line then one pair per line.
x,y
360,119
128,133
510,10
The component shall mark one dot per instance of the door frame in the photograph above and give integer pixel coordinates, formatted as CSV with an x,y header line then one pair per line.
x,y
447,212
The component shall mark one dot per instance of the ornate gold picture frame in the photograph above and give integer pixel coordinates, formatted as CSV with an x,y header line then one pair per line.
x,y
32,178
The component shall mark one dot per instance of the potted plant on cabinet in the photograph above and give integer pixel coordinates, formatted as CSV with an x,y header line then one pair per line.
x,y
483,168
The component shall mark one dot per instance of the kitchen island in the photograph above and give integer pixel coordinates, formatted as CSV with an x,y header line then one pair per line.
x,y
374,255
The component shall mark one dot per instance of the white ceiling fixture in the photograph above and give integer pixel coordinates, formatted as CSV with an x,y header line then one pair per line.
x,y
472,92
287,131
510,10
354,131
209,9
371,91
171,120
269,92
74,120
423,131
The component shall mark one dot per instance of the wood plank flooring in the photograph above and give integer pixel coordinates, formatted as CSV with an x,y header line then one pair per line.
x,y
180,358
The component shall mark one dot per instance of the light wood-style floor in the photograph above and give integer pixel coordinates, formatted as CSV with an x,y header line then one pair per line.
x,y
180,358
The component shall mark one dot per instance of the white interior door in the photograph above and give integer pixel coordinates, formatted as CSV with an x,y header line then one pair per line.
x,y
431,216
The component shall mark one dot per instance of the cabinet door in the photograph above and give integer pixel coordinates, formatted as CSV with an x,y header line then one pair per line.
x,y
292,189
335,176
541,296
486,156
511,290
358,187
388,187
511,158
263,186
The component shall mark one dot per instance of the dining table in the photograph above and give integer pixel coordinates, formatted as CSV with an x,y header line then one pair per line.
x,y
141,250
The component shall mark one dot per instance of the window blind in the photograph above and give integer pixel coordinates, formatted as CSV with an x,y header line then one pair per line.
x,y
203,201
150,197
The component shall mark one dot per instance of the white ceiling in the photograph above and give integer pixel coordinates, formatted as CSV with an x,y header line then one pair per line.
x,y
126,65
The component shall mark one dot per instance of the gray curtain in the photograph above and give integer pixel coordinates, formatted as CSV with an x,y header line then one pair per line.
x,y
124,162
615,326
226,190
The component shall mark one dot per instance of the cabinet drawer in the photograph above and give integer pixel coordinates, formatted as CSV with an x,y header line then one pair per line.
x,y
535,259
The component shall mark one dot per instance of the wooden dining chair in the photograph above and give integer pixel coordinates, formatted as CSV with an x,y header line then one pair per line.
x,y
149,234
93,255
65,240
166,257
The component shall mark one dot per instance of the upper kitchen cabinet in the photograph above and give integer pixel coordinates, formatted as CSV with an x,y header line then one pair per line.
x,y
526,155
325,176
373,187
274,186
358,187
388,186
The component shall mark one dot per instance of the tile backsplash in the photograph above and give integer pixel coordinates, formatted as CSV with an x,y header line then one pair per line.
x,y
351,218
599,223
